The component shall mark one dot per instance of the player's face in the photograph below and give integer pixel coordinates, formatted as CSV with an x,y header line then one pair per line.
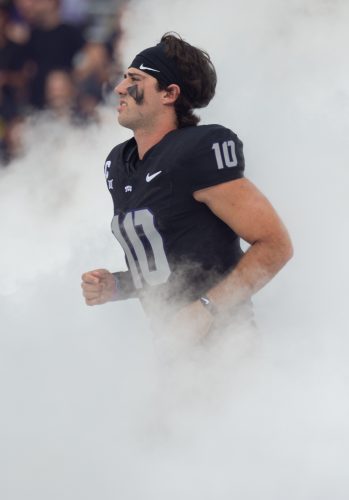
x,y
140,102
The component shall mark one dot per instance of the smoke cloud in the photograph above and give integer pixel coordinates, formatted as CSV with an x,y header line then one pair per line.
x,y
89,406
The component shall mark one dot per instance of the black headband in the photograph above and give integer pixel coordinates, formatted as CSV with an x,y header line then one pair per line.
x,y
155,62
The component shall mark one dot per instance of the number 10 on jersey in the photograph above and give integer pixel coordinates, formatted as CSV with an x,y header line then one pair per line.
x,y
145,260
225,154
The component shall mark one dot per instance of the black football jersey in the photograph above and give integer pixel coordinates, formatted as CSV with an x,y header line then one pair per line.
x,y
175,247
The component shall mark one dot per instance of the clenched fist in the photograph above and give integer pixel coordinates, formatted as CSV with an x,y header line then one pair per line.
x,y
98,287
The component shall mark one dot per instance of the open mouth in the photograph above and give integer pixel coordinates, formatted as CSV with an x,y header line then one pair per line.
x,y
122,104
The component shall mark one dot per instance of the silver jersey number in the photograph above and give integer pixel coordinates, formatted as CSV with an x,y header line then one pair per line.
x,y
136,251
228,158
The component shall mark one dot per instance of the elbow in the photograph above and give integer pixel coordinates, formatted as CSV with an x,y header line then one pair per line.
x,y
286,250
289,248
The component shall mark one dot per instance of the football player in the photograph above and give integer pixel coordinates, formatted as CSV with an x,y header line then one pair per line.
x,y
181,201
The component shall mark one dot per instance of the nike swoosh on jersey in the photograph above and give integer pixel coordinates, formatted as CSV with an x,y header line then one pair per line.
x,y
149,69
152,176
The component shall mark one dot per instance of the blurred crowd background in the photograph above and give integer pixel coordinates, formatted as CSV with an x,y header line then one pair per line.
x,y
59,57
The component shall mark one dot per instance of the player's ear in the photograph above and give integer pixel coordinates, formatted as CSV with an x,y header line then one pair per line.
x,y
171,93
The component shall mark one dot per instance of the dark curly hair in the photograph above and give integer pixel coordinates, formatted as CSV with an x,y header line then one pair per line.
x,y
198,75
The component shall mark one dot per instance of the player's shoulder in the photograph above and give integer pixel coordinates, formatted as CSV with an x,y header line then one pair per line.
x,y
206,130
214,155
193,139
201,131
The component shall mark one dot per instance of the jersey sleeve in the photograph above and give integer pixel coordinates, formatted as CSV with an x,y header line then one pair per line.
x,y
124,285
218,158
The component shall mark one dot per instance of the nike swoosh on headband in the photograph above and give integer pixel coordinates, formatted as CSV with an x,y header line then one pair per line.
x,y
149,69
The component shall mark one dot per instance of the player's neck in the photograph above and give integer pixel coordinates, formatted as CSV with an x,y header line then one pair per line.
x,y
146,139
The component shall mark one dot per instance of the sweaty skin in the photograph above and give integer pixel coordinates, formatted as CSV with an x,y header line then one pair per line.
x,y
137,95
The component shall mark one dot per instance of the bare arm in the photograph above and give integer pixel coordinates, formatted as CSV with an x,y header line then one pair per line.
x,y
247,212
